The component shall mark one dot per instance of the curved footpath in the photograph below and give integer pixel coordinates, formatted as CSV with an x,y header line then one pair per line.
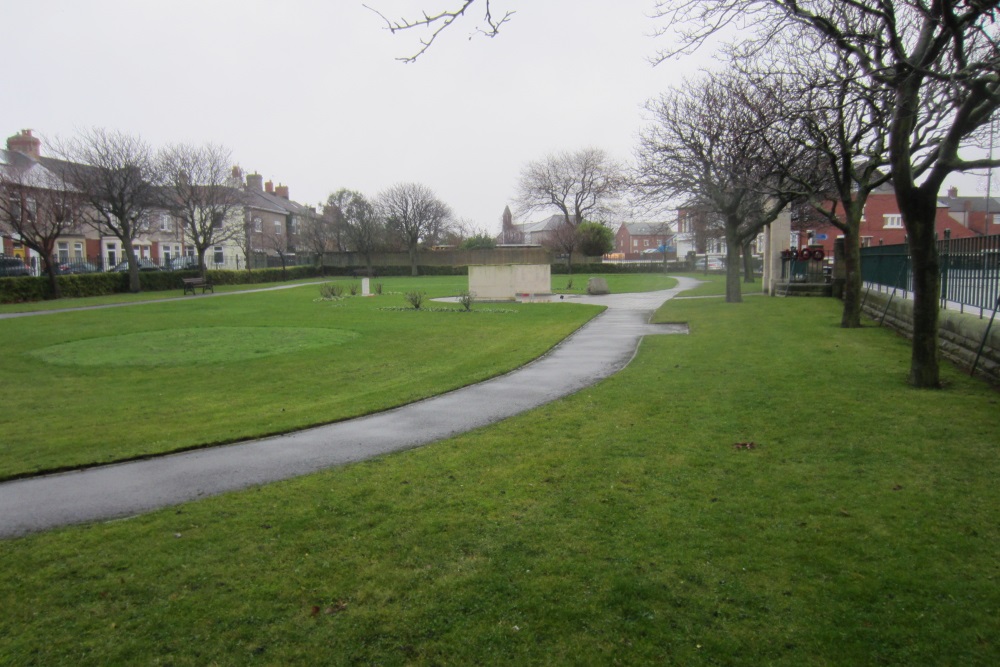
x,y
602,347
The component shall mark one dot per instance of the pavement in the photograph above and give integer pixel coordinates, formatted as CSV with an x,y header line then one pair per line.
x,y
597,350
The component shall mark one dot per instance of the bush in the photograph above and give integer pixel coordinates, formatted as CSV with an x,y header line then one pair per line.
x,y
331,291
467,298
416,299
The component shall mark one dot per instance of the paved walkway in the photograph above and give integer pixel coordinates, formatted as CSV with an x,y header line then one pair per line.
x,y
597,350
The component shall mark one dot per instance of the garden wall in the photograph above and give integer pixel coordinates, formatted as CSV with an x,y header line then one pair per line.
x,y
960,333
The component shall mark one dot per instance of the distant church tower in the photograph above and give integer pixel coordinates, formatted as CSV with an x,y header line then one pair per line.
x,y
510,234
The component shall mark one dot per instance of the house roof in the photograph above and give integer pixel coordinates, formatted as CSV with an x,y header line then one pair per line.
x,y
550,223
971,204
647,228
30,171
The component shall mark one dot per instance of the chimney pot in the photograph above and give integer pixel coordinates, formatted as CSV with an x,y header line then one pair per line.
x,y
952,192
281,191
269,187
23,142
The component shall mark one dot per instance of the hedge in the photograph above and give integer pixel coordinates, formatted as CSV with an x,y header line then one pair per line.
x,y
20,289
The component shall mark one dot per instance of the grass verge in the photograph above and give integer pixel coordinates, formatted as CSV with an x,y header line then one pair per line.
x,y
621,525
96,386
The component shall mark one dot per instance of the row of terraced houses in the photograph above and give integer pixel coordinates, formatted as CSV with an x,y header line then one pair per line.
x,y
273,224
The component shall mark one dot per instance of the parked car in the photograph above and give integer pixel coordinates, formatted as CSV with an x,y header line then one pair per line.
x,y
13,266
714,263
77,267
183,264
144,265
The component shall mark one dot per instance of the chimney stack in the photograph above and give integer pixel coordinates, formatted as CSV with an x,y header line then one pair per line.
x,y
255,182
25,143
269,187
281,191
952,192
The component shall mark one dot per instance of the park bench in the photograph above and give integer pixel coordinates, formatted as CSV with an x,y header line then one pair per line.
x,y
190,284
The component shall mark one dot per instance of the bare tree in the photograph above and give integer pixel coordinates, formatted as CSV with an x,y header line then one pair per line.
x,y
38,206
363,228
319,232
933,57
116,174
414,213
580,185
841,126
709,147
203,193
277,241
437,23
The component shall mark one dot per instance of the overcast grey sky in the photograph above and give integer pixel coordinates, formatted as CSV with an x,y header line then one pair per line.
x,y
309,94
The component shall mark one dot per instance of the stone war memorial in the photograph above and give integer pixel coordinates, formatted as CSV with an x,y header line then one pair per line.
x,y
507,282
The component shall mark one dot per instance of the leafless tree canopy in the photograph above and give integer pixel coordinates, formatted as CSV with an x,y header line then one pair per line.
x,y
414,214
201,191
117,174
710,147
363,228
436,22
38,206
581,185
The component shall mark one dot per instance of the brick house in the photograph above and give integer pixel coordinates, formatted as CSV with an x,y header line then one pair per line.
x,y
882,224
979,214
640,240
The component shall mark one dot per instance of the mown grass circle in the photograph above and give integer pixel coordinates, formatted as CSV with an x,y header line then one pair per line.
x,y
190,346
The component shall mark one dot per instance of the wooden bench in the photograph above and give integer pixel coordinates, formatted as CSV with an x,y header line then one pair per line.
x,y
190,284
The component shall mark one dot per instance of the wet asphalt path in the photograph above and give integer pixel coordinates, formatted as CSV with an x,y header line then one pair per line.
x,y
597,350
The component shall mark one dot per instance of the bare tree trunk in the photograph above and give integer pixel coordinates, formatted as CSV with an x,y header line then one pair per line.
x,y
747,263
733,291
53,274
851,316
919,213
413,261
134,285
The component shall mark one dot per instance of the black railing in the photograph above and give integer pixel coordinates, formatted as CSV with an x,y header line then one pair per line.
x,y
970,271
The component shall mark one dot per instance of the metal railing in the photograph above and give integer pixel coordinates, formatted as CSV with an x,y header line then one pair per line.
x,y
970,271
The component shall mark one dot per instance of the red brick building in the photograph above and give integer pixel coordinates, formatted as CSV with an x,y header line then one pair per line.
x,y
640,240
882,224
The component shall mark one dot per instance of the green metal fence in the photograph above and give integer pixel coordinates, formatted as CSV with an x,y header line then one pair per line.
x,y
970,271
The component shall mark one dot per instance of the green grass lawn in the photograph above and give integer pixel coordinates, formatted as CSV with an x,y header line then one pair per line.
x,y
85,387
618,283
619,526
113,299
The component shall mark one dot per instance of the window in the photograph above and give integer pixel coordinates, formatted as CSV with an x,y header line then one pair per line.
x,y
63,251
866,242
78,251
218,254
892,221
277,228
165,225
258,225
217,220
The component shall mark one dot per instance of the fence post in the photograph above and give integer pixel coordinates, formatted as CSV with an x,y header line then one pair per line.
x,y
945,265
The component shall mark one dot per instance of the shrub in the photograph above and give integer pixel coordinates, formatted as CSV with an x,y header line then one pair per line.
x,y
354,288
467,298
416,299
377,287
331,291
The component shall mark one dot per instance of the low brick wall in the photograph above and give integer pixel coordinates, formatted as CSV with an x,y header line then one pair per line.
x,y
960,334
